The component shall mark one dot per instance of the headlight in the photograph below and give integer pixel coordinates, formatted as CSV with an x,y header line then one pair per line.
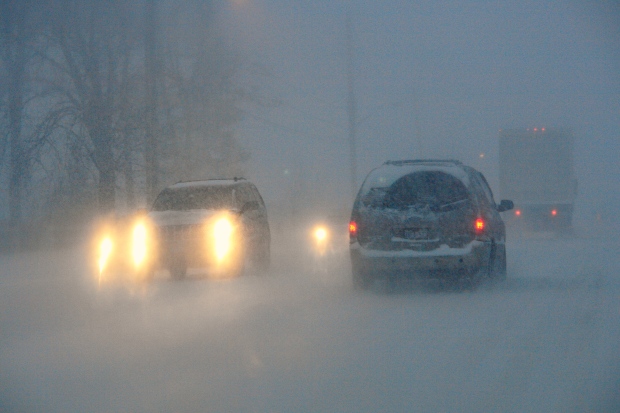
x,y
222,235
320,237
138,244
105,250
320,234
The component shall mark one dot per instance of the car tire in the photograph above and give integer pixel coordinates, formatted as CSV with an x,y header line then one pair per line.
x,y
362,280
498,266
262,258
482,275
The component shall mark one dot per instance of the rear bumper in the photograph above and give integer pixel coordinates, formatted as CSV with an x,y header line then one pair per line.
x,y
443,261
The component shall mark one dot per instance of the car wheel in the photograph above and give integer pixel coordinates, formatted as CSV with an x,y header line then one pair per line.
x,y
361,278
485,273
262,258
498,267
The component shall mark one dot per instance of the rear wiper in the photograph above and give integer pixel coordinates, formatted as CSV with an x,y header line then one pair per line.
x,y
453,204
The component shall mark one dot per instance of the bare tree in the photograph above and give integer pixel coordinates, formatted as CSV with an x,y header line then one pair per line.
x,y
92,40
152,79
15,56
202,97
130,94
20,40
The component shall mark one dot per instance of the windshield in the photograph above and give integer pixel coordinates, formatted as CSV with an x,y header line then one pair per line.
x,y
185,199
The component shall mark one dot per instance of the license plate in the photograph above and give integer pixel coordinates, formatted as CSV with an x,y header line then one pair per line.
x,y
416,233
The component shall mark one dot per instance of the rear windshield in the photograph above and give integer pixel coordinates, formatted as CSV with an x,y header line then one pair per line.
x,y
435,190
184,199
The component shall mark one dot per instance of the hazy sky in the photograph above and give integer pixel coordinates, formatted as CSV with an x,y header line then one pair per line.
x,y
432,79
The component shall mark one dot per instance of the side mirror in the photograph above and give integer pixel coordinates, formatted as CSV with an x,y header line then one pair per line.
x,y
249,206
505,205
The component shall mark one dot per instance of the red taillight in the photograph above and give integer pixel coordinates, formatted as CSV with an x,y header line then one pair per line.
x,y
554,212
518,212
479,226
353,229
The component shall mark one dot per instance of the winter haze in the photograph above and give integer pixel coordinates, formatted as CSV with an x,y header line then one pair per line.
x,y
102,104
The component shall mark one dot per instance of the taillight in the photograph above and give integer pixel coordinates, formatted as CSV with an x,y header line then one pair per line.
x,y
554,212
479,226
352,229
518,212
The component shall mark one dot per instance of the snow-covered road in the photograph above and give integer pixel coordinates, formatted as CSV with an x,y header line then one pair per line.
x,y
298,340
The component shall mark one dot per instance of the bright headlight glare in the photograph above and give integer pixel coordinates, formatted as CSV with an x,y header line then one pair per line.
x,y
138,248
222,233
105,249
320,234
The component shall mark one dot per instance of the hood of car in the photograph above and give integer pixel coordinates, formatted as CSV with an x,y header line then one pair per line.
x,y
191,217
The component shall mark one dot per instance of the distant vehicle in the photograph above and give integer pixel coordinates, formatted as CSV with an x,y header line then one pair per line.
x,y
427,219
536,171
217,225
214,224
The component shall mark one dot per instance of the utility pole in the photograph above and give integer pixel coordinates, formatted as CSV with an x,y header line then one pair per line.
x,y
351,106
151,78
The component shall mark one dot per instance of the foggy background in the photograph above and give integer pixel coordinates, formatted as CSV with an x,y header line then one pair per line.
x,y
197,90
104,103
431,80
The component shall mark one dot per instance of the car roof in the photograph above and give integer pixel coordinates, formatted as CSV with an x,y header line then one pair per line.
x,y
208,182
424,162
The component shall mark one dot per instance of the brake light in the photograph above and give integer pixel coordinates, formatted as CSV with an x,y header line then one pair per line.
x,y
353,229
479,225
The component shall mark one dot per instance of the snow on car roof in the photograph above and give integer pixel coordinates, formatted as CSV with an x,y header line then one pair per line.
x,y
386,174
209,182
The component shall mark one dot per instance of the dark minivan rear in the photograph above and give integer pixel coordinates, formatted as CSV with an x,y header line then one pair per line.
x,y
426,219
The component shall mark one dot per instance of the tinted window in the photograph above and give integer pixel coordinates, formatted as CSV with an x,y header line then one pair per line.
x,y
183,199
433,189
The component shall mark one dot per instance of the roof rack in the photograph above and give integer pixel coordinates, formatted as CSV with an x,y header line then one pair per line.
x,y
415,161
236,178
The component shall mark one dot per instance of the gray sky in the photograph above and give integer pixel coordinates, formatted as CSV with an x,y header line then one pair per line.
x,y
432,79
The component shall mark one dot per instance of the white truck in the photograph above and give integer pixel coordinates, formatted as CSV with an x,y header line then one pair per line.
x,y
536,172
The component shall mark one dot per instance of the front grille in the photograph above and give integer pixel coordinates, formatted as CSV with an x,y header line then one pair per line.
x,y
170,233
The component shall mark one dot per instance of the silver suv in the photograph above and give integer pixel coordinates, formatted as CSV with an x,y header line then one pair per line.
x,y
215,224
428,219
